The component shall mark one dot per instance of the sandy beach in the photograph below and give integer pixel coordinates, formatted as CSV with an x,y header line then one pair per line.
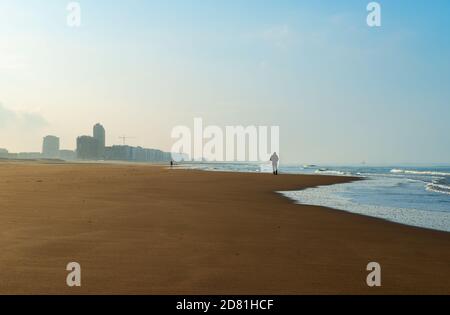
x,y
138,229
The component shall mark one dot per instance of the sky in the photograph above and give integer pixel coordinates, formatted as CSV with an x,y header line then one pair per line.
x,y
340,91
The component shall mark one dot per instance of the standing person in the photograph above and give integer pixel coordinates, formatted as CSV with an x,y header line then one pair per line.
x,y
274,158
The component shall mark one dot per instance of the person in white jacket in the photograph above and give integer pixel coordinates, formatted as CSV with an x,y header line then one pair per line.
x,y
274,158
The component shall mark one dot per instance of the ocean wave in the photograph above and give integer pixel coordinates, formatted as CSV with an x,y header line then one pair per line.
x,y
331,172
443,189
415,172
345,197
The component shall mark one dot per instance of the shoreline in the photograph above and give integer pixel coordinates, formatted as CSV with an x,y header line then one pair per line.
x,y
351,179
146,229
362,215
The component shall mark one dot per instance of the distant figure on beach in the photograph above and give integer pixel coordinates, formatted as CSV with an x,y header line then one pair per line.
x,y
274,158
171,163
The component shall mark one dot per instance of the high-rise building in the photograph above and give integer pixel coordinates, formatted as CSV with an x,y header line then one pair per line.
x,y
99,135
4,154
87,148
50,147
92,148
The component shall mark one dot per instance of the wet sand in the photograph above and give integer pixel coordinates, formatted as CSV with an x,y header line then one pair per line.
x,y
139,229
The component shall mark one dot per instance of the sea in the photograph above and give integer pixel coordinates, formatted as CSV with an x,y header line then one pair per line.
x,y
411,195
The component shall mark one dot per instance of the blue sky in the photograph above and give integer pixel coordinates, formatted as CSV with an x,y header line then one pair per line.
x,y
340,91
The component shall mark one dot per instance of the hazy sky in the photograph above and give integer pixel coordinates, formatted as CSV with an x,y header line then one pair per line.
x,y
340,91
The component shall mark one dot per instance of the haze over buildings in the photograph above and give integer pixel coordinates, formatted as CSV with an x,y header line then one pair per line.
x,y
91,148
94,148
99,136
50,147
87,148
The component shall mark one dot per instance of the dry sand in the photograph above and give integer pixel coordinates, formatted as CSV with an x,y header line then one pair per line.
x,y
151,230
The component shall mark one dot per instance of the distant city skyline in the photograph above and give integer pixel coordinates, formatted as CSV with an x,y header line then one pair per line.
x,y
92,148
341,92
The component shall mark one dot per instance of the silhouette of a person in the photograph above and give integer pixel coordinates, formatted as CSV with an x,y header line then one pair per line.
x,y
274,158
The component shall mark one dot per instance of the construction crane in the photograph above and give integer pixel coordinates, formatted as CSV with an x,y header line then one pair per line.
x,y
124,138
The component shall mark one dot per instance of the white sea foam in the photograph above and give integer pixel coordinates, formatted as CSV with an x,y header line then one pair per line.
x,y
443,189
334,196
330,172
415,172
